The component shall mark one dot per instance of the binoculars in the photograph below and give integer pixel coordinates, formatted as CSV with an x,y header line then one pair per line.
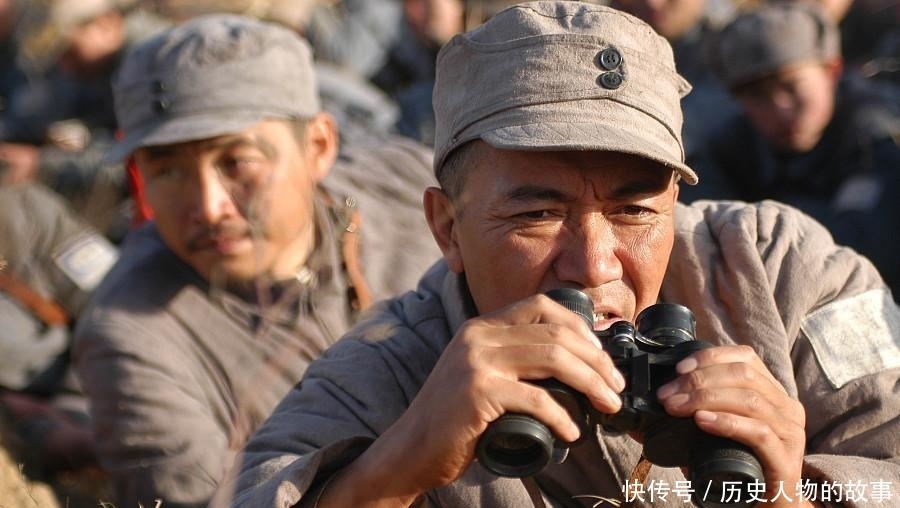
x,y
645,352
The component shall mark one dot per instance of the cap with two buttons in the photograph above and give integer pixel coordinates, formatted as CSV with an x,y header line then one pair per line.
x,y
559,75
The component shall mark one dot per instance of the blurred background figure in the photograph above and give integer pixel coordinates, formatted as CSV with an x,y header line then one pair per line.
x,y
408,73
50,263
870,35
12,74
812,134
57,128
266,243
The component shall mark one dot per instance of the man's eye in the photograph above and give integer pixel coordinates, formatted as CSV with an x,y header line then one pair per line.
x,y
241,168
636,214
167,173
536,214
635,210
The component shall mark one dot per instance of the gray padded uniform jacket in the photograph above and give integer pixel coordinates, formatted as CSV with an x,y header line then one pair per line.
x,y
763,275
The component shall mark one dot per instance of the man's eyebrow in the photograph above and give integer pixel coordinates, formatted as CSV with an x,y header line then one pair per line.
x,y
159,152
253,141
640,187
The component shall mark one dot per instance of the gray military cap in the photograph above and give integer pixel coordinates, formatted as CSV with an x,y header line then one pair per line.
x,y
561,76
760,42
210,76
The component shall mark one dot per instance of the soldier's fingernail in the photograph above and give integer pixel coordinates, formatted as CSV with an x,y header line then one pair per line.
x,y
613,398
686,365
618,380
666,391
705,416
677,399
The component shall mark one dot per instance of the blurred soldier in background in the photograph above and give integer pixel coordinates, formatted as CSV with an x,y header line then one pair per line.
x,y
50,262
811,135
265,246
57,129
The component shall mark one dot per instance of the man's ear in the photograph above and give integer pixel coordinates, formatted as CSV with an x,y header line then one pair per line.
x,y
441,216
322,143
835,68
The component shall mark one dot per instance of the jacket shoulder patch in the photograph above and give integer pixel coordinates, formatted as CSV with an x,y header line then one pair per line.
x,y
856,336
87,260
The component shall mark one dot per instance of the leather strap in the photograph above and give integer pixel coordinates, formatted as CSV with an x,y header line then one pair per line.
x,y
51,313
638,475
360,294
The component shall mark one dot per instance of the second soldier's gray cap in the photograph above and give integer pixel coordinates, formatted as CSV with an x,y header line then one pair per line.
x,y
561,76
759,42
210,76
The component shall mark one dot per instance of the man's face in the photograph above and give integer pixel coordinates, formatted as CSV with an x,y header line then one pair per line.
x,y
238,206
92,46
670,18
528,222
792,107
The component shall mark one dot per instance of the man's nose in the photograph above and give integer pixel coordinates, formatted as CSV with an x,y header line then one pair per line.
x,y
213,199
784,104
655,4
590,255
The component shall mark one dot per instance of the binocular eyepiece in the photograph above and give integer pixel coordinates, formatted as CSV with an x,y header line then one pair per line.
x,y
721,470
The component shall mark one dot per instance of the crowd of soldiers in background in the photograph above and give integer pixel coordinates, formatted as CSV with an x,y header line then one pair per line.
x,y
375,65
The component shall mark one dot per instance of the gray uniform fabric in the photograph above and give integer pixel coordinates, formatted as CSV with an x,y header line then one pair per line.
x,y
61,258
179,373
764,275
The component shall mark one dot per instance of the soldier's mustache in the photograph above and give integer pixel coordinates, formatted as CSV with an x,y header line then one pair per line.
x,y
210,235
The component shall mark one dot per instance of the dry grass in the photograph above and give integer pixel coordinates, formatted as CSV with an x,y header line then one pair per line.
x,y
17,492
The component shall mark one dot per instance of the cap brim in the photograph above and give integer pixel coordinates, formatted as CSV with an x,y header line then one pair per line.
x,y
611,126
183,129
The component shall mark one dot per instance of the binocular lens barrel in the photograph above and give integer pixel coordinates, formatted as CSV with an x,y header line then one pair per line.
x,y
721,472
515,445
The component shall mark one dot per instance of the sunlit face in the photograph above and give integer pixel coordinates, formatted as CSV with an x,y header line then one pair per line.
x,y
835,9
792,107
92,46
528,222
238,206
670,18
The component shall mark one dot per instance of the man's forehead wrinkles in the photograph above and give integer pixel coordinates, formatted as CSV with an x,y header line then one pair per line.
x,y
569,185
531,192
